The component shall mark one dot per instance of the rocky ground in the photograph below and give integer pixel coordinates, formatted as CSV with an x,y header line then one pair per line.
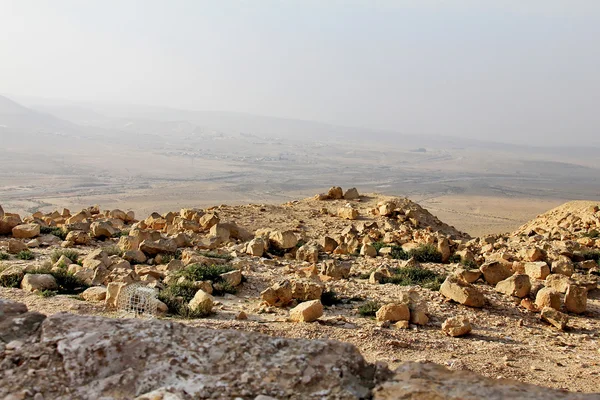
x,y
323,260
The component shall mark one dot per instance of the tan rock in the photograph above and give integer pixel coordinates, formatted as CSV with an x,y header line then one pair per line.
x,y
393,312
280,294
547,297
113,291
328,244
462,292
283,239
351,194
469,276
95,293
368,250
26,231
516,285
554,317
576,299
564,266
558,282
8,222
308,252
305,290
102,229
207,221
221,231
335,193
537,270
536,254
78,238
336,269
38,282
161,246
256,247
456,326
495,271
234,278
443,247
308,311
202,301
418,317
16,246
349,213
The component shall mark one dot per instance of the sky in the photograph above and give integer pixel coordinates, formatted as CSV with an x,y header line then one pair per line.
x,y
522,71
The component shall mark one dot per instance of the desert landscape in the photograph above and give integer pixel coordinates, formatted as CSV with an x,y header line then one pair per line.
x,y
379,272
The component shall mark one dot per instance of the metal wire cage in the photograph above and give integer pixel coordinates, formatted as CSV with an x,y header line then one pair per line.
x,y
138,300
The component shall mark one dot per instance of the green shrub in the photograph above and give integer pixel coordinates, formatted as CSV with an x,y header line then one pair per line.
x,y
593,234
592,255
4,256
330,298
177,296
415,276
398,253
220,288
121,233
48,293
455,259
426,253
113,250
70,254
25,255
53,230
9,281
212,254
364,275
379,245
199,272
369,309
470,264
67,282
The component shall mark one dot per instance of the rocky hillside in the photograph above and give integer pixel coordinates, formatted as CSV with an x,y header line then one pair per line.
x,y
77,357
378,272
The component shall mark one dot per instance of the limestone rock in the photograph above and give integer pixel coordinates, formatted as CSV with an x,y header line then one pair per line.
x,y
38,282
495,271
368,250
305,290
336,269
308,252
468,275
103,229
202,301
558,282
564,266
351,194
547,297
16,246
95,293
307,311
456,326
536,254
576,299
537,270
462,292
12,276
335,193
349,213
554,317
428,381
8,222
26,231
516,285
393,312
283,239
256,247
78,238
113,291
161,246
280,294
234,278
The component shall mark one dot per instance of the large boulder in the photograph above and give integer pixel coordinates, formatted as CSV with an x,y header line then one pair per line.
x,y
462,292
548,297
26,231
283,240
429,381
16,246
8,222
95,357
335,193
202,301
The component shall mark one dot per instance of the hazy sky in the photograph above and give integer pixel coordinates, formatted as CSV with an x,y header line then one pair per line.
x,y
522,70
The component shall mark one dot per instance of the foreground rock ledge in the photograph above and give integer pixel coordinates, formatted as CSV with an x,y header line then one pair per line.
x,y
66,356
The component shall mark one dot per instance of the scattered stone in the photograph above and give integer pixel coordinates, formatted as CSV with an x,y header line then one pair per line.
x,y
456,326
351,194
494,272
38,282
548,297
309,311
202,301
462,292
554,317
349,213
393,312
96,293
516,285
537,270
576,299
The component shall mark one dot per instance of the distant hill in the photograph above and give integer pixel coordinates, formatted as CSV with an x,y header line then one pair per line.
x,y
17,118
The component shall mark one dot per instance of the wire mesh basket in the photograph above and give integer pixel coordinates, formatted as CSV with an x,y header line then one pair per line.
x,y
138,300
